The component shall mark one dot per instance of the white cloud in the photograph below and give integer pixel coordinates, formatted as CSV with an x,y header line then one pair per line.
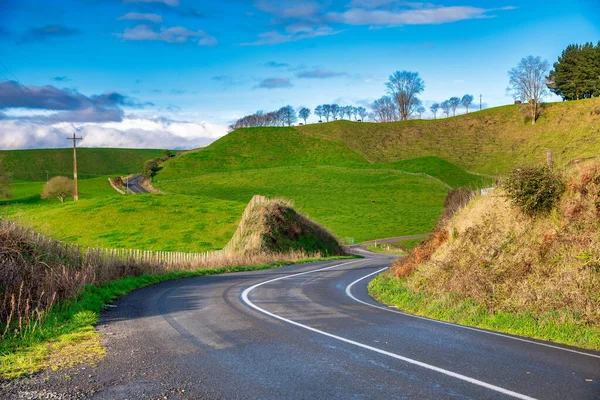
x,y
132,132
141,17
175,34
172,3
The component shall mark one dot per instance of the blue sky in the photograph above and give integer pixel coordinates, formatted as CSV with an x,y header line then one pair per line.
x,y
174,73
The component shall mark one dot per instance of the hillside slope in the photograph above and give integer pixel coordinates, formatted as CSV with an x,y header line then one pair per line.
x,y
491,141
31,165
494,267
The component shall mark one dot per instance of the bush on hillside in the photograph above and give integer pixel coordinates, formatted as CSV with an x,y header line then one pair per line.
x,y
535,190
151,167
60,187
457,199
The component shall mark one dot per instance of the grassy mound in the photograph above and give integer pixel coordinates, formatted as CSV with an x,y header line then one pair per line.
x,y
273,226
491,141
31,165
493,266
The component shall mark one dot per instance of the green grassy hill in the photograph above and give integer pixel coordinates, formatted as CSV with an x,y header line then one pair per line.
x,y
359,180
31,165
491,141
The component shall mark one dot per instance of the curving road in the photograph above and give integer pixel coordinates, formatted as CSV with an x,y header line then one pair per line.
x,y
134,185
312,332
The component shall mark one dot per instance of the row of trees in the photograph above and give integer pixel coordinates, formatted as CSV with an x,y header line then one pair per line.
x,y
288,116
451,105
576,74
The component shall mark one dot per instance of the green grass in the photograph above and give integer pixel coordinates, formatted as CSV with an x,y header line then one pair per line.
x,y
68,335
351,203
401,247
551,327
490,142
31,165
148,222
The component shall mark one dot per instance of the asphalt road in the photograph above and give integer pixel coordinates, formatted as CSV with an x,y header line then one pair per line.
x,y
134,185
311,332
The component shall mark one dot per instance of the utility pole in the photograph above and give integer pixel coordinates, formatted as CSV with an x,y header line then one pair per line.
x,y
47,176
75,139
480,102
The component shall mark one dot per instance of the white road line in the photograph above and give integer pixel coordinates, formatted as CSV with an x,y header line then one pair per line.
x,y
349,293
474,381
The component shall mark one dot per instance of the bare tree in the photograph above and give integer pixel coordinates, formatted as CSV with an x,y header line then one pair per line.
x,y
435,107
335,111
384,110
60,187
362,113
404,87
288,115
466,101
327,111
348,112
304,113
528,83
454,103
445,106
319,112
420,111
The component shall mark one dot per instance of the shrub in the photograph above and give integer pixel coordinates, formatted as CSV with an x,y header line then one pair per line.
x,y
535,190
150,169
60,187
456,199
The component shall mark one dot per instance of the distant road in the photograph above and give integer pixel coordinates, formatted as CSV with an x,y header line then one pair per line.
x,y
311,332
134,184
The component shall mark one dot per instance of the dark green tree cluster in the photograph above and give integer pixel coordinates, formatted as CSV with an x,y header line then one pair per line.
x,y
576,75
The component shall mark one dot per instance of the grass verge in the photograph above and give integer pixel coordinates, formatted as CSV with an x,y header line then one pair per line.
x,y
554,326
68,336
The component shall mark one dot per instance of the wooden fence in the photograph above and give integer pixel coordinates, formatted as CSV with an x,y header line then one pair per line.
x,y
77,255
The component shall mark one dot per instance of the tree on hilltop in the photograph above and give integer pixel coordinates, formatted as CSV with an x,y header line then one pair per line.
x,y
362,113
335,111
404,87
327,111
466,101
576,74
445,106
528,83
288,115
454,103
304,113
435,107
319,112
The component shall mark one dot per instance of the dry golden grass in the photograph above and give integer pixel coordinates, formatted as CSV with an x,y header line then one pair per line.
x,y
496,256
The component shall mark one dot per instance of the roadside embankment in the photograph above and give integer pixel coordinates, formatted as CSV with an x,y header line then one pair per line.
x,y
495,267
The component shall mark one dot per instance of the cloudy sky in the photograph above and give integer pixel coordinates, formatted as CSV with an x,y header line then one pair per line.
x,y
174,73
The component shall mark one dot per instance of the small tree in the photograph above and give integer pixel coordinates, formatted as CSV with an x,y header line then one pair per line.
x,y
60,187
327,111
319,112
304,113
445,106
335,111
150,169
435,107
466,101
528,83
420,111
454,103
362,113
